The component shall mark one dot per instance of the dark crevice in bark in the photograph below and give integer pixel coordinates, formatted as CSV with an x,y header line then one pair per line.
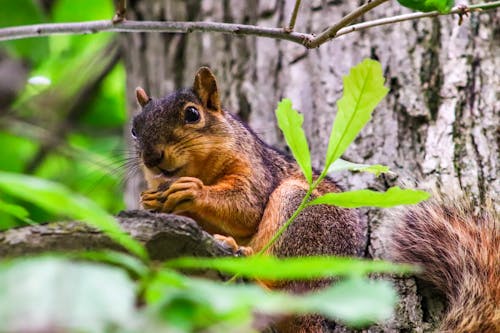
x,y
459,135
244,108
373,54
144,62
192,10
480,174
326,4
394,87
432,303
471,82
471,95
411,132
179,60
366,251
431,76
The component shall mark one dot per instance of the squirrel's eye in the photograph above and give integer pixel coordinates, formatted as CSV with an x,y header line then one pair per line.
x,y
134,134
191,115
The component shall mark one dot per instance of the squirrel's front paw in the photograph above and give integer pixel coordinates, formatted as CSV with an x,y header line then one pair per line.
x,y
177,197
229,243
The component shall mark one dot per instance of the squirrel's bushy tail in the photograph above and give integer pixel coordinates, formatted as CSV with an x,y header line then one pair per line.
x,y
458,247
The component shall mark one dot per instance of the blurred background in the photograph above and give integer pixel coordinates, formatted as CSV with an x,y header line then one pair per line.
x,y
62,104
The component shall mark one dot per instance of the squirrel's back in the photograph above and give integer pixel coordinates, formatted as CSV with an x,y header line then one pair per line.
x,y
457,245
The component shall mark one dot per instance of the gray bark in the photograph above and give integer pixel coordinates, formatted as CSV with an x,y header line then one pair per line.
x,y
165,236
438,126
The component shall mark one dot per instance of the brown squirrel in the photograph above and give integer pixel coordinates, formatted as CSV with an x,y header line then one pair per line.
x,y
458,246
201,161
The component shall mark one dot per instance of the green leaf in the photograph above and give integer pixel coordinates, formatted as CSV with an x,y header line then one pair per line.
x,y
88,10
110,101
353,301
363,90
123,260
442,6
16,152
57,199
23,12
272,268
191,304
14,210
290,123
341,164
45,292
357,302
394,196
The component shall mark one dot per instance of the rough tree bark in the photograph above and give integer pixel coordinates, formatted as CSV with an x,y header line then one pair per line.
x,y
438,126
165,236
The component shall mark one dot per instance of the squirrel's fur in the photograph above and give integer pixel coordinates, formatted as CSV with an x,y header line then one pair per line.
x,y
458,247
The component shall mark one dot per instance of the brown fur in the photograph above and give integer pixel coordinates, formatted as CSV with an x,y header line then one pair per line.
x,y
233,184
458,247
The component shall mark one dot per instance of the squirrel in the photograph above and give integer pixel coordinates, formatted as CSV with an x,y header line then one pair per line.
x,y
201,161
458,246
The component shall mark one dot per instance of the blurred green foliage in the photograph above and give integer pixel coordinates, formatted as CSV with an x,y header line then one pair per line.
x,y
66,123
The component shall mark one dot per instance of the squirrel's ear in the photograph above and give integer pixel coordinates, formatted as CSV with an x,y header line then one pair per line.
x,y
142,97
205,86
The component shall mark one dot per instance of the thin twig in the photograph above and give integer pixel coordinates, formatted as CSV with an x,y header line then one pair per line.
x,y
414,16
121,11
293,18
306,39
331,32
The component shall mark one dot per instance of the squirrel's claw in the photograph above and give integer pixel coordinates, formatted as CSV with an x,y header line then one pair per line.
x,y
230,243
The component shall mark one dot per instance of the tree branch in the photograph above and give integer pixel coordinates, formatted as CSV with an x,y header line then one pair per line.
x,y
415,16
165,236
38,30
331,32
306,39
293,18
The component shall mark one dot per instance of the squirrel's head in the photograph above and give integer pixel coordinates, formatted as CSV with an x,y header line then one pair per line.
x,y
175,135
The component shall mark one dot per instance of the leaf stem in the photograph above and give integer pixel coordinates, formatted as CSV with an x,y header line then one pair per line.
x,y
303,204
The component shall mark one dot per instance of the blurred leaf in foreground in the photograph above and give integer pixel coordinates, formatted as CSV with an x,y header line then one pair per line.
x,y
272,268
58,199
52,294
354,301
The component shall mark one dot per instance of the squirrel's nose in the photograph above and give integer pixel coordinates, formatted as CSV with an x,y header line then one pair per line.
x,y
153,158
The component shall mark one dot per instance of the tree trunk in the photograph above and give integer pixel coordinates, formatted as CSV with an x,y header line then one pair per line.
x,y
438,126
